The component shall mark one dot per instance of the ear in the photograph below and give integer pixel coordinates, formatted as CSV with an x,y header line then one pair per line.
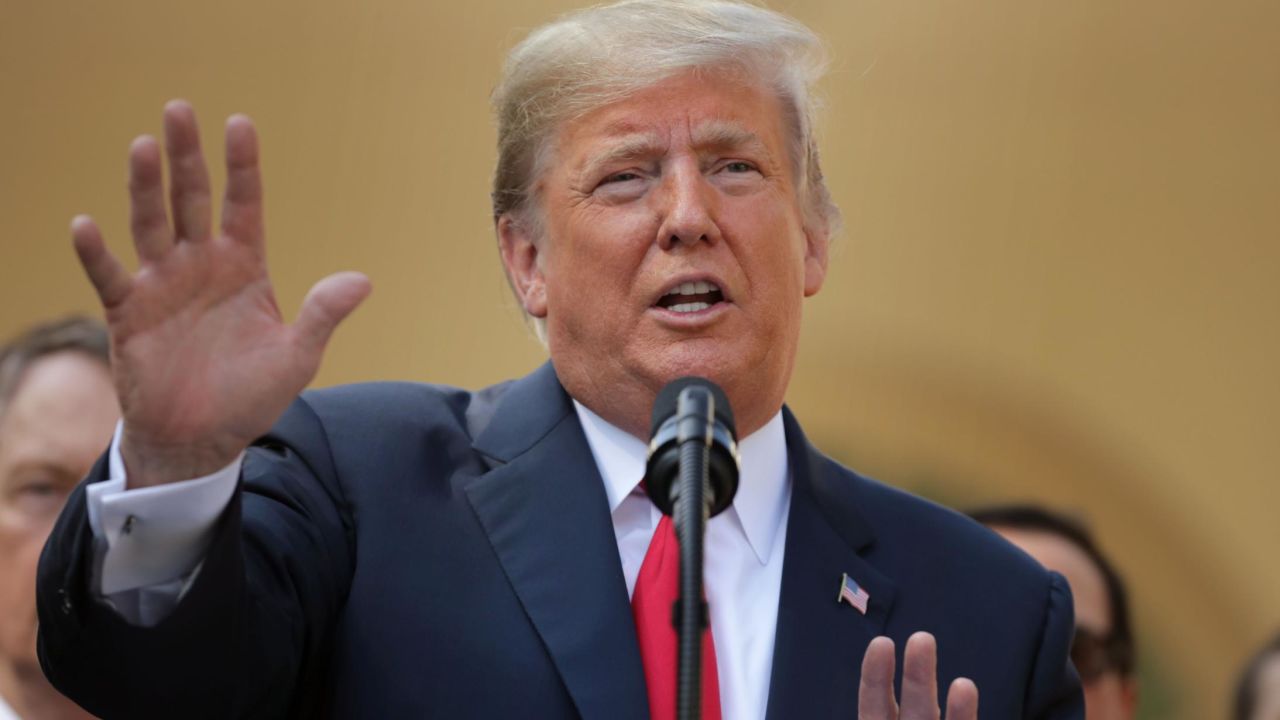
x,y
523,265
816,246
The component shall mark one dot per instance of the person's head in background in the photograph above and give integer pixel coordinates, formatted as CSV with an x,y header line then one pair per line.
x,y
57,412
1258,691
1103,649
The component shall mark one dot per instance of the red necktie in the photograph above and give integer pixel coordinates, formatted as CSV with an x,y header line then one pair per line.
x,y
656,589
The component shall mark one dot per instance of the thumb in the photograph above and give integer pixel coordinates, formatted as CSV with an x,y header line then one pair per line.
x,y
330,301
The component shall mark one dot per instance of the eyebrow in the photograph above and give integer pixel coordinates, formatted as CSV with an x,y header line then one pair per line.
x,y
726,135
717,135
625,147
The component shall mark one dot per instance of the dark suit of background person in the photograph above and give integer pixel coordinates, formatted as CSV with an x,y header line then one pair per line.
x,y
406,550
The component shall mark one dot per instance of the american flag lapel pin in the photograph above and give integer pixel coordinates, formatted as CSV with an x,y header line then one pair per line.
x,y
853,594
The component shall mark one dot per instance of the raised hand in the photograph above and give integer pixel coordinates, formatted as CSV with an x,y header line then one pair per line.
x,y
919,684
203,361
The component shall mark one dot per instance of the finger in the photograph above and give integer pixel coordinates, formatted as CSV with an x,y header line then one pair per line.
x,y
108,276
920,678
242,204
188,178
151,235
330,301
962,700
875,690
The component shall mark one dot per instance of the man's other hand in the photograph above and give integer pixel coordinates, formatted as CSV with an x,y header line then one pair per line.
x,y
876,699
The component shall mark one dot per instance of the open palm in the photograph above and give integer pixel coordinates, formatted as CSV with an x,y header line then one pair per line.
x,y
203,361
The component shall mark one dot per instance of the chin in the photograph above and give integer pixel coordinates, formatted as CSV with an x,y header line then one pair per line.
x,y
705,357
747,381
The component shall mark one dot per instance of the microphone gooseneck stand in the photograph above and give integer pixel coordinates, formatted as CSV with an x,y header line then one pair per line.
x,y
690,497
692,475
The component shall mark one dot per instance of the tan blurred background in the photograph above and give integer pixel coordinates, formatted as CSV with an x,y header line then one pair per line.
x,y
1058,279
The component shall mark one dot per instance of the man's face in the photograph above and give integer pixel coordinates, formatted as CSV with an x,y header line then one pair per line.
x,y
53,429
1109,696
687,184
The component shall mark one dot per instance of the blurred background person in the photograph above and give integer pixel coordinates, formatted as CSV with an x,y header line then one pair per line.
x,y
57,411
1103,648
1258,692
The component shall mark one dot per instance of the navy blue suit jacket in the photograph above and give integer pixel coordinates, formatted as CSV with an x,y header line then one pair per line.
x,y
411,551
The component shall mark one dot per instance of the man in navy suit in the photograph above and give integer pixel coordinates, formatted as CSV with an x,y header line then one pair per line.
x,y
400,550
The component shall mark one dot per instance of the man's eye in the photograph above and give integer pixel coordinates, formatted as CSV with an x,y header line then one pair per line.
x,y
39,497
620,177
39,489
739,166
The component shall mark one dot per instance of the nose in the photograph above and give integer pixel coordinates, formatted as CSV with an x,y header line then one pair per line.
x,y
688,207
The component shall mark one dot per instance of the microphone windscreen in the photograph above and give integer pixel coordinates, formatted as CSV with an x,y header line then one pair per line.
x,y
666,404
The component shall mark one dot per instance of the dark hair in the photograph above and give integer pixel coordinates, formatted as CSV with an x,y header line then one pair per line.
x,y
76,334
1247,687
1034,517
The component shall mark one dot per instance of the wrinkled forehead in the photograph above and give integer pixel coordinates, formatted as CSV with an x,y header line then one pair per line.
x,y
62,411
699,110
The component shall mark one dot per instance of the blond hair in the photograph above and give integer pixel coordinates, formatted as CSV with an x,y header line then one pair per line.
x,y
596,56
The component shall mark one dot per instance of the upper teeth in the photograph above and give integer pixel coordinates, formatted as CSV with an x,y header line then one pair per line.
x,y
690,307
694,288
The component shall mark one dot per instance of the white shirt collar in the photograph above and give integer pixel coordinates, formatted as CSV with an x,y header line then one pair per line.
x,y
762,486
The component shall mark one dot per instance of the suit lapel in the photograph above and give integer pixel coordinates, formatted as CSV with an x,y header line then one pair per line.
x,y
819,643
544,509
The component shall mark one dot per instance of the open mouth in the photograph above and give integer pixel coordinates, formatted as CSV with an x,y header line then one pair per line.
x,y
691,297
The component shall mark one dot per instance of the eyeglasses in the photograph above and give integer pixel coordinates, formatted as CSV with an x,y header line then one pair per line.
x,y
1095,654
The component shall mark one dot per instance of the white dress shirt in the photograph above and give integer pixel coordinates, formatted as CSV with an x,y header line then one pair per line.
x,y
742,572
155,539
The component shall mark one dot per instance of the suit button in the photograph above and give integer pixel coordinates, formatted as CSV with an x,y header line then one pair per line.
x,y
66,601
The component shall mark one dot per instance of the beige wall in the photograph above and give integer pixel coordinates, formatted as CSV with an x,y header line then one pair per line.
x,y
1059,278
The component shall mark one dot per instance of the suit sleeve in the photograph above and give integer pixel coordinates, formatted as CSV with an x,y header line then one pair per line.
x,y
1054,692
249,638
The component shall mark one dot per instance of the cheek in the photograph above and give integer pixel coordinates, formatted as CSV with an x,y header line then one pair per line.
x,y
595,267
19,553
780,270
772,224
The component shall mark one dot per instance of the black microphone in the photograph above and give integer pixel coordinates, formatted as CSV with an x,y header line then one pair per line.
x,y
692,409
692,474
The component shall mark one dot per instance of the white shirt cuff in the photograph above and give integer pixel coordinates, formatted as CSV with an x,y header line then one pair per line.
x,y
155,534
